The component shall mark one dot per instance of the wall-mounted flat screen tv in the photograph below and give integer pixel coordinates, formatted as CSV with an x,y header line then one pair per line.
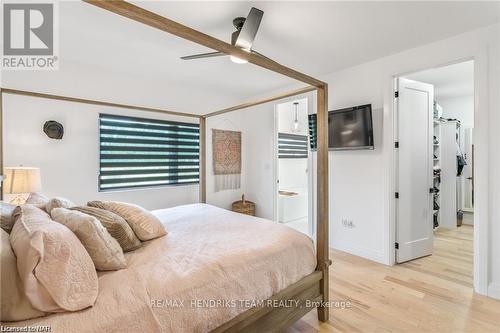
x,y
348,129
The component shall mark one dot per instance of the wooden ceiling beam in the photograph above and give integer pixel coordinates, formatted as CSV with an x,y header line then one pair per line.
x,y
94,102
262,101
154,20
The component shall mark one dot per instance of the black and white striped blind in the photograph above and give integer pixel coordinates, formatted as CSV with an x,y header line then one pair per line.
x,y
138,152
312,131
292,145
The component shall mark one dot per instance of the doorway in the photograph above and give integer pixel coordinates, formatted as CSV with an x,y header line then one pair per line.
x,y
435,167
292,166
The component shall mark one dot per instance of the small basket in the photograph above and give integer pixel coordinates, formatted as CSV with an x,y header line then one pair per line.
x,y
244,206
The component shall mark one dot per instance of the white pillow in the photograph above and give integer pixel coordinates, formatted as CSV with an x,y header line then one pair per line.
x,y
145,225
15,304
104,250
6,219
58,203
38,200
56,271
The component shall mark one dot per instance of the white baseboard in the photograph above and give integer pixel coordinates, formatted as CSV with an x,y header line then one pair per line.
x,y
359,251
494,290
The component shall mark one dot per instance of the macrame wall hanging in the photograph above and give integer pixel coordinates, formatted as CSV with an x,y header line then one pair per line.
x,y
226,148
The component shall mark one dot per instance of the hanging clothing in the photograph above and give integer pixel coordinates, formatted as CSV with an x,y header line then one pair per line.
x,y
460,161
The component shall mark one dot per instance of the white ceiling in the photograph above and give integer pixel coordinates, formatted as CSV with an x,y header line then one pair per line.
x,y
323,37
313,37
451,81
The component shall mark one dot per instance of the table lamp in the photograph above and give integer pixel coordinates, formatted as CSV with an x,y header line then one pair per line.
x,y
19,180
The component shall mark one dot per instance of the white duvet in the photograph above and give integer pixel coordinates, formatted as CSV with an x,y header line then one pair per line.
x,y
212,265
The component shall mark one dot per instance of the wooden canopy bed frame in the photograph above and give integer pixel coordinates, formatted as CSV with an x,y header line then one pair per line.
x,y
313,287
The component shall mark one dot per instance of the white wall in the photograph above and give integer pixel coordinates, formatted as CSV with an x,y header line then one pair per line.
x,y
494,162
286,117
257,132
293,172
357,178
366,179
461,108
70,167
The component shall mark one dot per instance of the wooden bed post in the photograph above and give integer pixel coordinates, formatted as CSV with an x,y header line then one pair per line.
x,y
203,162
322,197
1,144
258,319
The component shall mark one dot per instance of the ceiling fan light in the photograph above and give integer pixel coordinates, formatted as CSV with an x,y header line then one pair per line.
x,y
237,60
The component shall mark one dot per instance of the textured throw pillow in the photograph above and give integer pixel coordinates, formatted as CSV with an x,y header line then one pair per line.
x,y
38,200
58,203
104,250
116,226
56,271
145,225
6,219
15,304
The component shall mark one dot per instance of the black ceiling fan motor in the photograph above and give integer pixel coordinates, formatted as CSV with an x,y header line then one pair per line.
x,y
243,37
238,24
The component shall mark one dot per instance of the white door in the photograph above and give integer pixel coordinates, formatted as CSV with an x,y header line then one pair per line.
x,y
414,227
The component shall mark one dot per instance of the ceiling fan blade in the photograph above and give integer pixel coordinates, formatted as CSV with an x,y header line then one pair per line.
x,y
249,29
260,54
203,55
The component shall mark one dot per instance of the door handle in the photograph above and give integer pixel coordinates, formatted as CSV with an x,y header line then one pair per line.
x,y
433,190
469,178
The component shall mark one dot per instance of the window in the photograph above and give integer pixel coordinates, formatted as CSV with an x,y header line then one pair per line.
x,y
292,145
138,152
312,131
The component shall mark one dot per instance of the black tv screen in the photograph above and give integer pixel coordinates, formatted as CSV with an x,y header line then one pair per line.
x,y
350,128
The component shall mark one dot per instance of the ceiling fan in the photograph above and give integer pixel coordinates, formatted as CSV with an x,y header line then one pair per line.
x,y
243,37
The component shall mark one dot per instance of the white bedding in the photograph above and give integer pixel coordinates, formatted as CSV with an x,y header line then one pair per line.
x,y
210,257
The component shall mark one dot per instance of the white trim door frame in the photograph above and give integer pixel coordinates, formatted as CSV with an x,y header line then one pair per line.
x,y
276,169
481,166
311,164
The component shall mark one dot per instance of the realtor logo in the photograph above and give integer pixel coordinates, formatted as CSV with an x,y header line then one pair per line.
x,y
28,29
28,36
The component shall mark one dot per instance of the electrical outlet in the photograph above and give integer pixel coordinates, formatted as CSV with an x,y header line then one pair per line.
x,y
348,223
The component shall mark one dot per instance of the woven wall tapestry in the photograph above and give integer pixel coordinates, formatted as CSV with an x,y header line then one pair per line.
x,y
226,148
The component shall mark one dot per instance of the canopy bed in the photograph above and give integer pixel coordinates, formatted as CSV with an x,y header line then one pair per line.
x,y
297,285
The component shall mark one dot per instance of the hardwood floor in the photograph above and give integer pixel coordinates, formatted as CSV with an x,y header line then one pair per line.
x,y
431,294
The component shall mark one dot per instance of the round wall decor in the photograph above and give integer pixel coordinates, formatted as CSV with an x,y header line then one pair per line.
x,y
53,129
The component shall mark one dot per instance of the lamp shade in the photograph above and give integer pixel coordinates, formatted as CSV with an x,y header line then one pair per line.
x,y
22,180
